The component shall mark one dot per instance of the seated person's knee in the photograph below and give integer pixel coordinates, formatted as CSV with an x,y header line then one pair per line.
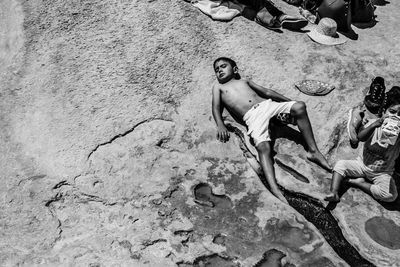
x,y
383,195
341,167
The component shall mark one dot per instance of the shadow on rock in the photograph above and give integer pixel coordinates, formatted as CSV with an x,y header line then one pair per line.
x,y
351,34
272,258
380,2
395,205
279,130
384,231
365,25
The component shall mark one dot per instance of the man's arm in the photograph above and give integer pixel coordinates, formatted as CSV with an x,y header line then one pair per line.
x,y
267,93
217,109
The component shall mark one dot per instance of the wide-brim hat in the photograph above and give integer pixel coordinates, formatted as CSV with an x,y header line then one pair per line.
x,y
325,33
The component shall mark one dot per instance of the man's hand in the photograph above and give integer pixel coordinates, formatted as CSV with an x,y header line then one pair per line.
x,y
223,134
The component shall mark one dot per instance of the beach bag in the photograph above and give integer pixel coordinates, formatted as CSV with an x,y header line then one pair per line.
x,y
362,10
338,10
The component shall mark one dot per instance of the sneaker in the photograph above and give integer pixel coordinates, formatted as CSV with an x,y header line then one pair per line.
x,y
353,123
375,99
292,23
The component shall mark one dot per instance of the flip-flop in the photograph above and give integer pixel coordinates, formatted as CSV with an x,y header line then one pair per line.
x,y
265,19
314,87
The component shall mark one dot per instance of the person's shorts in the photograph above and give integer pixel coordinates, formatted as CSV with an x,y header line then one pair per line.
x,y
383,185
258,117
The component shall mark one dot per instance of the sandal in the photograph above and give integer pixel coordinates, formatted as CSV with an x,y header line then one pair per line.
x,y
265,19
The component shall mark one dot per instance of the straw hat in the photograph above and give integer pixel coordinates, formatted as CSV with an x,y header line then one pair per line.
x,y
325,33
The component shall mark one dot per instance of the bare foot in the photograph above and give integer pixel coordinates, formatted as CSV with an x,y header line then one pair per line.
x,y
332,197
280,196
319,159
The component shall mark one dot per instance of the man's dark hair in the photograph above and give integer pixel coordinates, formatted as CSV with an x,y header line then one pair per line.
x,y
230,61
393,97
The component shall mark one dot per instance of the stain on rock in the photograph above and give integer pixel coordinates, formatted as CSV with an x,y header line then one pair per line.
x,y
271,258
322,262
214,260
281,232
219,239
384,231
211,260
204,196
231,178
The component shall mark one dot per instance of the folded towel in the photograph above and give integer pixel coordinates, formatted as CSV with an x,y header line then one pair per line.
x,y
220,10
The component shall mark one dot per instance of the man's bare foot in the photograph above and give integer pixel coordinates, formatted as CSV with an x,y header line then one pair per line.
x,y
319,159
280,196
332,197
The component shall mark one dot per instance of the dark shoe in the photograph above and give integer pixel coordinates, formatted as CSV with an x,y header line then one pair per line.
x,y
265,19
292,23
378,81
375,99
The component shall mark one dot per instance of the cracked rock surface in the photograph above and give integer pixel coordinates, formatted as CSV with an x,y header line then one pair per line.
x,y
108,150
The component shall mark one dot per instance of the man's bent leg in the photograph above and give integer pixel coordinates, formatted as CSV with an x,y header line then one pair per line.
x,y
299,111
264,153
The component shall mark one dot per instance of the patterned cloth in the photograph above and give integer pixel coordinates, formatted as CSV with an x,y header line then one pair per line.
x,y
220,10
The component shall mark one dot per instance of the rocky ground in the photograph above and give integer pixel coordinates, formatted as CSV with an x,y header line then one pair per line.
x,y
108,150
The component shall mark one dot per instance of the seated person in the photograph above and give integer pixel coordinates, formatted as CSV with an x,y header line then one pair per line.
x,y
272,18
253,106
373,171
372,108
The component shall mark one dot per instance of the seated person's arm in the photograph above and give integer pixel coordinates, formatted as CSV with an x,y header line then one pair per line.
x,y
365,132
217,109
267,93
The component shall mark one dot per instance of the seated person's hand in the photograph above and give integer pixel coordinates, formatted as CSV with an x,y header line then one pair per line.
x,y
379,121
223,134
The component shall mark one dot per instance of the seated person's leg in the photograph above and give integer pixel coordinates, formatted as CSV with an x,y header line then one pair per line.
x,y
343,168
383,188
288,22
271,17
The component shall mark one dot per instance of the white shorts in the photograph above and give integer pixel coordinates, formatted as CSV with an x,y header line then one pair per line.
x,y
383,185
258,117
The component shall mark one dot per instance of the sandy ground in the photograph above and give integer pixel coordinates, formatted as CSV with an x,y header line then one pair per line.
x,y
106,130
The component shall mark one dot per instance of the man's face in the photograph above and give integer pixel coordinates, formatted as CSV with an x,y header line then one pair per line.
x,y
224,71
